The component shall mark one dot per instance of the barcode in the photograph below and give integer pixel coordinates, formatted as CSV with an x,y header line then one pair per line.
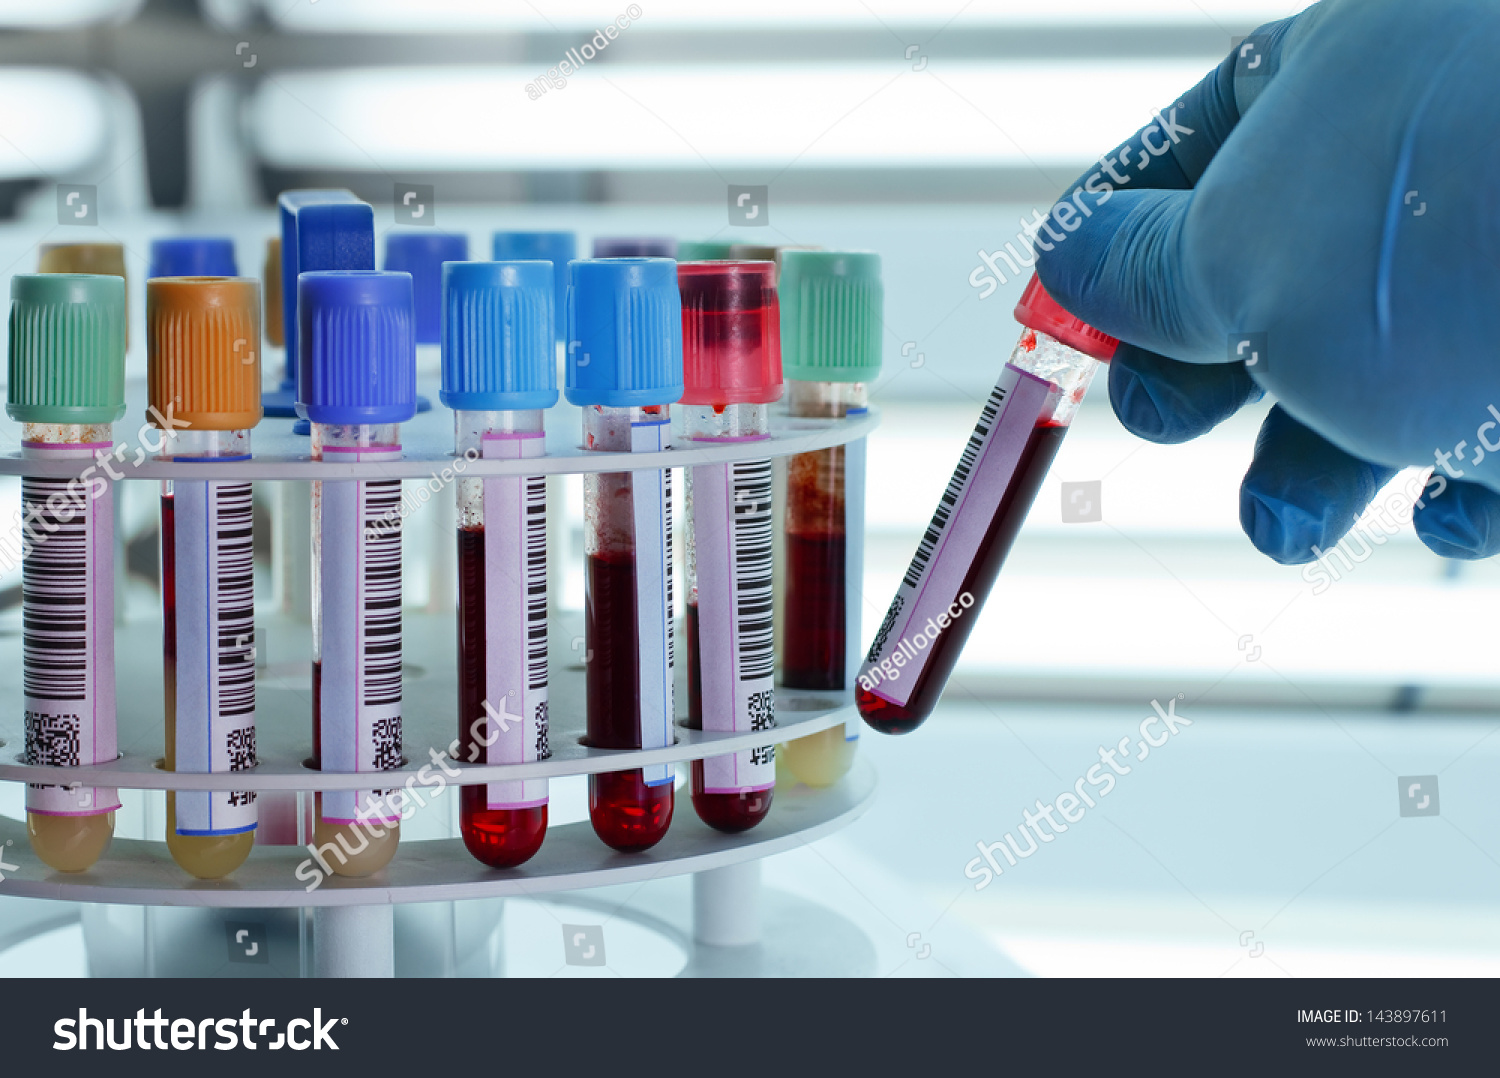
x,y
536,582
54,595
667,542
751,546
955,487
236,603
52,740
382,593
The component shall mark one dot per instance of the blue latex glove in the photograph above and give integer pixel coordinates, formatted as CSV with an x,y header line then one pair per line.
x,y
1325,201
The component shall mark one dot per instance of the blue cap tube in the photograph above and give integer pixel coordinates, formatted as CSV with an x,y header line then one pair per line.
x,y
499,353
559,248
635,247
193,256
422,255
625,332
359,348
340,235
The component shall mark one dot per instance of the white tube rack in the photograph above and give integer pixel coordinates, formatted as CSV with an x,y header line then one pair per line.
x,y
141,872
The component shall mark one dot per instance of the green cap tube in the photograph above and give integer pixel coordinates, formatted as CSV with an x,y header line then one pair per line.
x,y
67,348
832,306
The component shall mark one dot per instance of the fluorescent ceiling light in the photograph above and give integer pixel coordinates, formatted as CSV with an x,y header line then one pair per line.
x,y
50,121
29,14
617,116
392,16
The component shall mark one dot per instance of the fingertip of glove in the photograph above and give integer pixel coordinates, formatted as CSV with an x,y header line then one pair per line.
x,y
1460,526
1284,532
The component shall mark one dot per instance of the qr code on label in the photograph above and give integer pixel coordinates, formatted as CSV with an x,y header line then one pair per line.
x,y
52,740
543,745
762,717
387,734
241,798
241,744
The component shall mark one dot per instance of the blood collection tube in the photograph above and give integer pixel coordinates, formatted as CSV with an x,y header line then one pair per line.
x,y
1007,457
356,383
193,256
499,375
635,247
731,349
831,317
624,371
203,379
66,385
559,248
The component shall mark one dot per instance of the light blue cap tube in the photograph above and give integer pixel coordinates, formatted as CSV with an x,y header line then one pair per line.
x,y
499,353
625,332
559,248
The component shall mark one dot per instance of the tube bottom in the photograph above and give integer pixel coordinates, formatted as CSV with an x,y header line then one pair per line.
x,y
207,857
350,849
627,814
819,759
70,843
500,838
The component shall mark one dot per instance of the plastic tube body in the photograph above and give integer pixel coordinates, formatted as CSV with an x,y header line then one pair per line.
x,y
208,648
628,624
1002,467
730,649
356,612
67,617
821,602
502,635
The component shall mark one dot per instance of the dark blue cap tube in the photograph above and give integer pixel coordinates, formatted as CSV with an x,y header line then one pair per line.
x,y
193,256
625,332
320,230
359,350
499,352
422,255
559,248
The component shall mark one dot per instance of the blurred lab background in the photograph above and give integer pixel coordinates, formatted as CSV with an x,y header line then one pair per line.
x,y
1266,837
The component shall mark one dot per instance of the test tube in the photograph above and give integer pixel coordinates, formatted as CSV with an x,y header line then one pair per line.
x,y
356,383
624,371
559,248
499,375
635,247
203,380
731,348
193,256
1002,467
831,319
66,386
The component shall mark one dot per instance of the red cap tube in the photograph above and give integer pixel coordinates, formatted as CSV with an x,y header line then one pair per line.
x,y
1039,311
731,332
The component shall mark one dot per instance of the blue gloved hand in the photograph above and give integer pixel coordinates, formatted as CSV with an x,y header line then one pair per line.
x,y
1314,219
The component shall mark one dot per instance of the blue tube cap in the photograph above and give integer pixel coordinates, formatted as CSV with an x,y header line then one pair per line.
x,y
193,256
320,230
499,353
422,255
359,350
559,248
625,332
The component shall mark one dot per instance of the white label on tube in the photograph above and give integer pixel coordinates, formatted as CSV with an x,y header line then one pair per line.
x,y
515,620
68,630
854,562
213,574
360,704
736,655
651,501
928,598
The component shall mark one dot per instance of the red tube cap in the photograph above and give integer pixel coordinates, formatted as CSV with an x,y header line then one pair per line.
x,y
731,332
1039,311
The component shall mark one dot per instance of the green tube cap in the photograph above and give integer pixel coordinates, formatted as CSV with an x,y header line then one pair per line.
x,y
832,306
67,348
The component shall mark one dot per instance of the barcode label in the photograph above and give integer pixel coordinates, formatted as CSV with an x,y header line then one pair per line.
x,y
213,577
952,540
360,707
732,530
651,502
515,613
67,634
